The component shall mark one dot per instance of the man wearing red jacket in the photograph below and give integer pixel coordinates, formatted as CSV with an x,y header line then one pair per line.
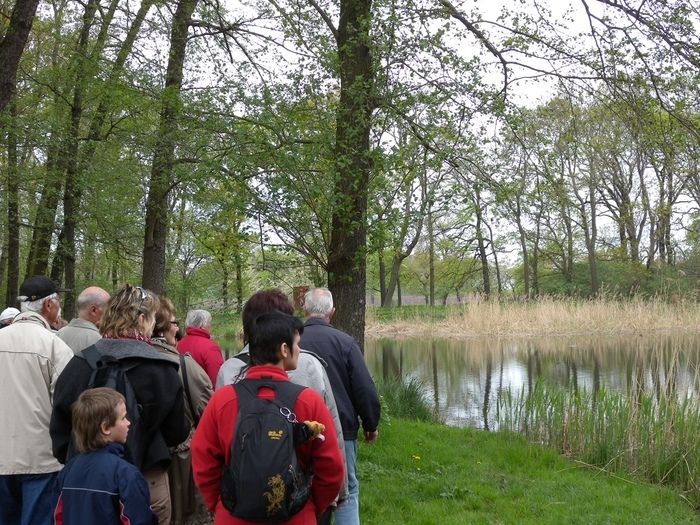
x,y
199,344
211,446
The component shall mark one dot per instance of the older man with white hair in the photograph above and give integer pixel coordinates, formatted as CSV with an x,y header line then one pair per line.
x,y
83,331
353,388
31,359
199,344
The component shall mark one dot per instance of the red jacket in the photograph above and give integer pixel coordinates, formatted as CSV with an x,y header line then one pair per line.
x,y
206,352
211,450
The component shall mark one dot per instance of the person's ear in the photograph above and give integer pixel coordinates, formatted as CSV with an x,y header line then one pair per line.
x,y
332,313
284,350
105,429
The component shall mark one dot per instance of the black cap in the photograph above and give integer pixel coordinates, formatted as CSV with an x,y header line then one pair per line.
x,y
38,287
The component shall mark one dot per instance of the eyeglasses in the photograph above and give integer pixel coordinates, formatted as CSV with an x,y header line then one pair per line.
x,y
176,323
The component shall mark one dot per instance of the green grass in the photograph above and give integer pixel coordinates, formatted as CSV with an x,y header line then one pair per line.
x,y
423,473
656,440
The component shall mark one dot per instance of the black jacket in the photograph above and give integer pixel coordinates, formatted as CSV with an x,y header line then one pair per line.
x,y
158,390
353,388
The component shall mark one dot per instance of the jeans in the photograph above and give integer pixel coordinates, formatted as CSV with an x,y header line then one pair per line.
x,y
28,499
349,512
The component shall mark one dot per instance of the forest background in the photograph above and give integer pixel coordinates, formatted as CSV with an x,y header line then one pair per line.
x,y
384,148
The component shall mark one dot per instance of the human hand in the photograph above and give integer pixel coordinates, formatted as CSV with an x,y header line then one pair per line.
x,y
371,437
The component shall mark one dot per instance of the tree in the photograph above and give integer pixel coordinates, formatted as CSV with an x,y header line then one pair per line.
x,y
161,180
12,46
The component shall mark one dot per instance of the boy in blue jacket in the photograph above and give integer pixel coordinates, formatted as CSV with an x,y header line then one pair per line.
x,y
99,487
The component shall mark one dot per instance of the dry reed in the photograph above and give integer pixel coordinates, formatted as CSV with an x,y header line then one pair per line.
x,y
543,317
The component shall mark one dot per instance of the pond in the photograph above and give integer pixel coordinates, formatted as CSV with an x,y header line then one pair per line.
x,y
464,378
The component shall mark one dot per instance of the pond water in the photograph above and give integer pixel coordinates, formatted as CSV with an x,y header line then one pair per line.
x,y
465,377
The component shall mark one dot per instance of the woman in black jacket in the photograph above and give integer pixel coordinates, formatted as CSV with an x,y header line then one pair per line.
x,y
126,329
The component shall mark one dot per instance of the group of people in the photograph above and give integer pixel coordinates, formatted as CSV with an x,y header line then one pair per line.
x,y
161,461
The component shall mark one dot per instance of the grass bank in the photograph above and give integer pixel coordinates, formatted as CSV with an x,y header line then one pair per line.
x,y
655,439
541,317
426,473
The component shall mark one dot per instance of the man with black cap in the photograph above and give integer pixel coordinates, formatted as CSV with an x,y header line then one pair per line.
x,y
31,359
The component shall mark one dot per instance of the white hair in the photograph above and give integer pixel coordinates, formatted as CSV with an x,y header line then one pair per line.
x,y
34,306
197,318
318,302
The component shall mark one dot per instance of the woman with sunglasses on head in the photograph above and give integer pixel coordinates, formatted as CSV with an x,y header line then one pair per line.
x,y
126,329
197,392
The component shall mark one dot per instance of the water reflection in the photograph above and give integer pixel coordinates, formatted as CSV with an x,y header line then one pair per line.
x,y
465,378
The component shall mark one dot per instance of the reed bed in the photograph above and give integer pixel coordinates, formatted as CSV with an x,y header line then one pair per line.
x,y
541,317
405,399
656,440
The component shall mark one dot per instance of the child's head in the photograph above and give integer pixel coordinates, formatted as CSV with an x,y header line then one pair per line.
x,y
99,418
274,337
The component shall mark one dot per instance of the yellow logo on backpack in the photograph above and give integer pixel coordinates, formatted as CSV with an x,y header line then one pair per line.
x,y
275,434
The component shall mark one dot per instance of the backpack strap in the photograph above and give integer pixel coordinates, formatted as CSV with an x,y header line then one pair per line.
x,y
186,385
243,356
92,355
314,354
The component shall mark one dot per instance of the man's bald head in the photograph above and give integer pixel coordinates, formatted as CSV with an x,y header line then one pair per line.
x,y
92,303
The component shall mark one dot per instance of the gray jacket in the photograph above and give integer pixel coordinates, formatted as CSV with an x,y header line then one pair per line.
x,y
79,334
309,372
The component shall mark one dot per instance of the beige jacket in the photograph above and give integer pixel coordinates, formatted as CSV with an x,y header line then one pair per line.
x,y
200,390
79,334
31,359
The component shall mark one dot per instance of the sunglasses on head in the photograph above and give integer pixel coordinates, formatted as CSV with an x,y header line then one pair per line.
x,y
144,295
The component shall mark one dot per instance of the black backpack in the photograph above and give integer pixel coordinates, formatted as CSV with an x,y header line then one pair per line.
x,y
264,481
111,372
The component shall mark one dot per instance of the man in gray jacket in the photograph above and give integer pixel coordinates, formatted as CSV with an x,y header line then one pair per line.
x,y
83,331
31,359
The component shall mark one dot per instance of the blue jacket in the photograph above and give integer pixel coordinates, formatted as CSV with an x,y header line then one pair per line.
x,y
101,488
353,388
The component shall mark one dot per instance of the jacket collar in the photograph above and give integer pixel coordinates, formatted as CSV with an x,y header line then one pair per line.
x,y
32,317
82,323
125,348
265,371
316,321
113,448
160,342
199,332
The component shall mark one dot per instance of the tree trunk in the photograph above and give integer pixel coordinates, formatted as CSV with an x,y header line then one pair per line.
x,y
495,260
399,301
87,153
523,246
382,278
431,255
161,182
224,284
12,193
45,219
73,190
485,276
347,272
12,47
239,280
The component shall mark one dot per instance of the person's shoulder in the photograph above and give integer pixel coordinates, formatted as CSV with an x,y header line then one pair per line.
x,y
222,397
310,399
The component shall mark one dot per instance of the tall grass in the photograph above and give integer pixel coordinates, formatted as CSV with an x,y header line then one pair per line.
x,y
657,440
544,316
405,399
